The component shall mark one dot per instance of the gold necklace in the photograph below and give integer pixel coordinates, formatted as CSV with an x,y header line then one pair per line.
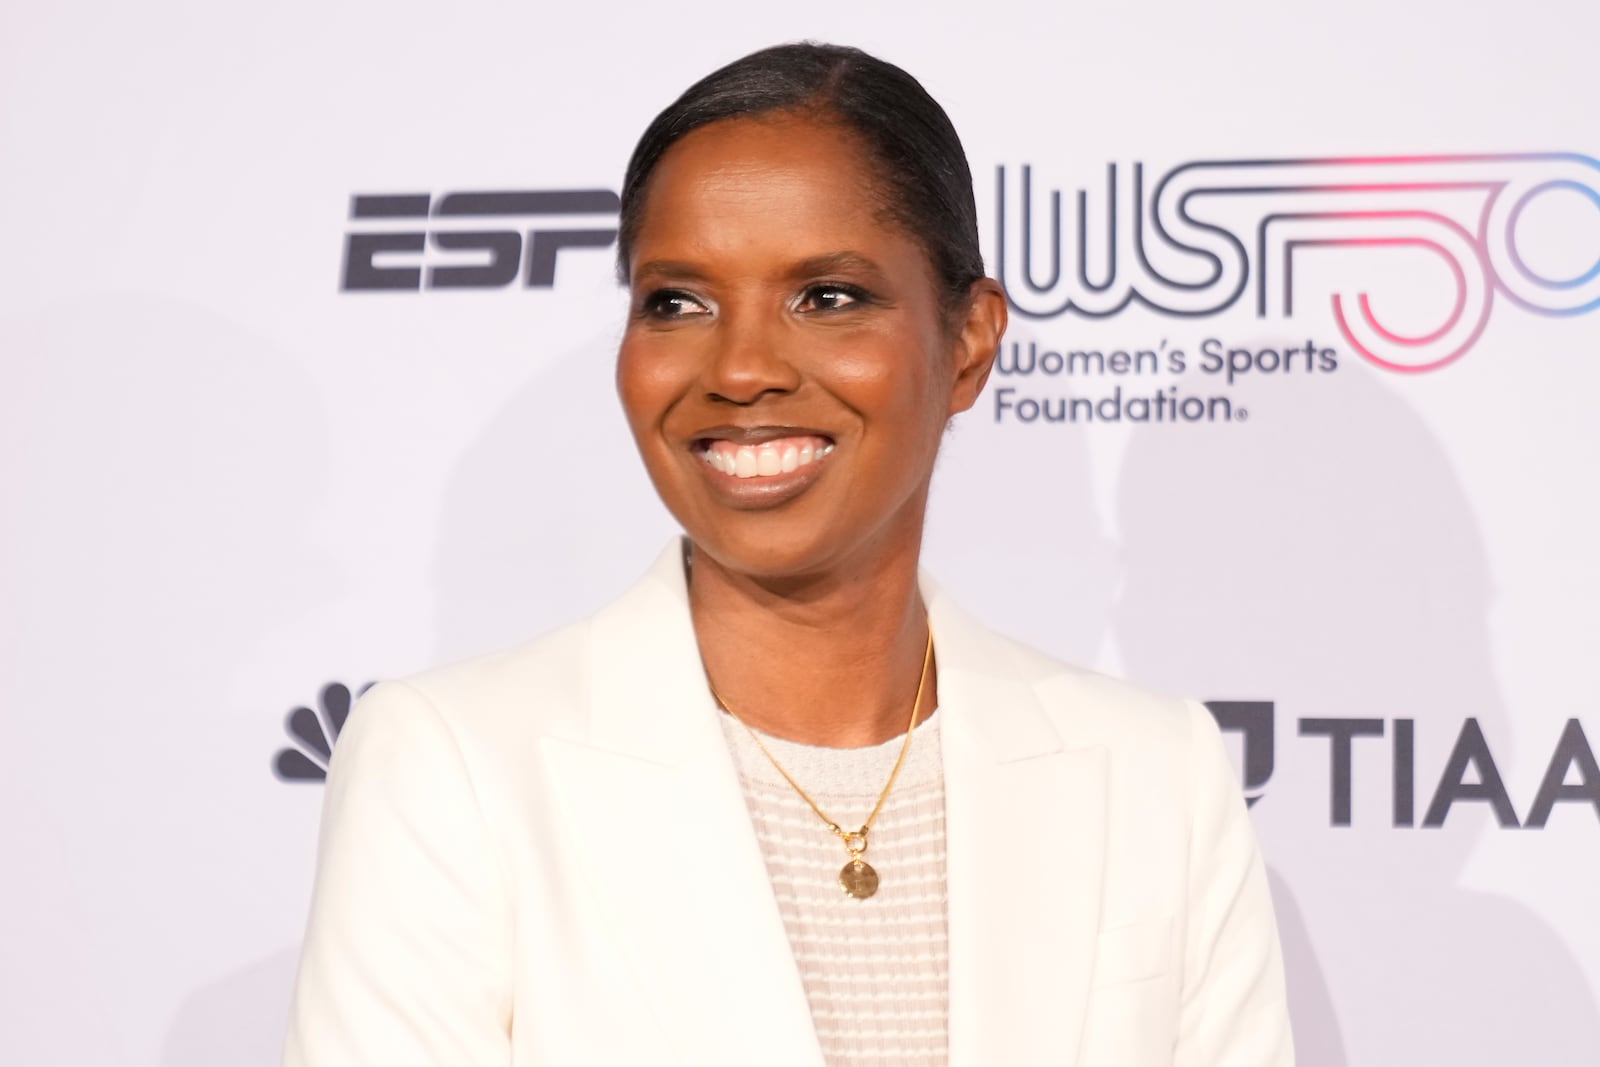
x,y
857,877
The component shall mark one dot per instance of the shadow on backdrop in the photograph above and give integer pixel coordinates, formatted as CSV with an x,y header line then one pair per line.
x,y
1013,530
1325,556
549,514
238,1020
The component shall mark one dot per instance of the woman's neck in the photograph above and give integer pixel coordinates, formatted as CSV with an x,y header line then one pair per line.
x,y
835,660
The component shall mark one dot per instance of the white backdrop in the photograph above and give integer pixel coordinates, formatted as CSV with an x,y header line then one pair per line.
x,y
229,482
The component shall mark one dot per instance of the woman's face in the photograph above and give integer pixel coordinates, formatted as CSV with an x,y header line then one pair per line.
x,y
787,368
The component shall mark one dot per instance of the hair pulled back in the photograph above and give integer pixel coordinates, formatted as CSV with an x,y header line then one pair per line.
x,y
927,185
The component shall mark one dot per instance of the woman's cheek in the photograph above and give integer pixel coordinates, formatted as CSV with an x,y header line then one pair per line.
x,y
861,357
882,376
644,376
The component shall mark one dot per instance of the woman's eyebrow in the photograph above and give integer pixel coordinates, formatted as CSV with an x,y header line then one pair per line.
x,y
810,267
669,268
833,262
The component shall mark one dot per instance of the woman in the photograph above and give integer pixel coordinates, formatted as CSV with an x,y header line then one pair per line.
x,y
566,853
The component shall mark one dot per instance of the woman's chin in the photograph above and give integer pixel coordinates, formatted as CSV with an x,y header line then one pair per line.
x,y
770,548
766,551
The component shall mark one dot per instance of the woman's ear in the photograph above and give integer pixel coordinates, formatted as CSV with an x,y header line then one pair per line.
x,y
977,342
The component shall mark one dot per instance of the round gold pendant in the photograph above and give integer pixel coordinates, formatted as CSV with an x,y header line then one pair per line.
x,y
859,879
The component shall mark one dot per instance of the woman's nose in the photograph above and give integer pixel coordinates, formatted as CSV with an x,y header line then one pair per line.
x,y
750,357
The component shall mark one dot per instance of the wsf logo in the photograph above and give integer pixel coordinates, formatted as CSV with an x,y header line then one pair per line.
x,y
1209,235
471,240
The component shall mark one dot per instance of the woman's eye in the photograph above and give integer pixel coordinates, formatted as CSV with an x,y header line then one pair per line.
x,y
831,297
672,304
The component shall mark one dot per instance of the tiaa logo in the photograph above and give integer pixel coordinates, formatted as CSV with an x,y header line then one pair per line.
x,y
1470,774
1208,236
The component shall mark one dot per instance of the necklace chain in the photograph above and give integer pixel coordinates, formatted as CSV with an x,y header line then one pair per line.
x,y
855,841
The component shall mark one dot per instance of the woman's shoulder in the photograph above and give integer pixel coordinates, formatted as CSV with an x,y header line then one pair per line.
x,y
1154,744
535,685
1086,706
1090,707
1163,752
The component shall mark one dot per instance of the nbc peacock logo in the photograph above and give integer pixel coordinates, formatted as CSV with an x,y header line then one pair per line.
x,y
313,733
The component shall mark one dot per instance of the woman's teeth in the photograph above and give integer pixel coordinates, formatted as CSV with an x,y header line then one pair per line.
x,y
780,456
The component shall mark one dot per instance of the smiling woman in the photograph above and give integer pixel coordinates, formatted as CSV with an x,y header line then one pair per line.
x,y
645,838
776,309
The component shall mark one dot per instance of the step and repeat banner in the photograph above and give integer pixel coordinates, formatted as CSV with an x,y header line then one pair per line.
x,y
307,322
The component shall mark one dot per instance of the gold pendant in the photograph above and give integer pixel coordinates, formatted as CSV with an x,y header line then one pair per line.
x,y
858,878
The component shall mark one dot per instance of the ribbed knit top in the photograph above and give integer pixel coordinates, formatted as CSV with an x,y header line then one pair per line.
x,y
876,971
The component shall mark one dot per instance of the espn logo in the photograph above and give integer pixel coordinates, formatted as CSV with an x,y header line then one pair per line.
x,y
419,241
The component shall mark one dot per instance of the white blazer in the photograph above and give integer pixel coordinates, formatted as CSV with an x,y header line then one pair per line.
x,y
543,857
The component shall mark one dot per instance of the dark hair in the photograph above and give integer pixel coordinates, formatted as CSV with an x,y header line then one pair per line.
x,y
903,129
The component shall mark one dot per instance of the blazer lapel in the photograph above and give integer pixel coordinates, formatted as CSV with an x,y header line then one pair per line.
x,y
659,823
1025,821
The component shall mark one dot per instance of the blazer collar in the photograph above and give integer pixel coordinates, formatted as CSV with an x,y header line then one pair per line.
x,y
645,652
657,810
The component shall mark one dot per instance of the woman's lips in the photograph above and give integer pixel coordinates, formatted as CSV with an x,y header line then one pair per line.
x,y
765,472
